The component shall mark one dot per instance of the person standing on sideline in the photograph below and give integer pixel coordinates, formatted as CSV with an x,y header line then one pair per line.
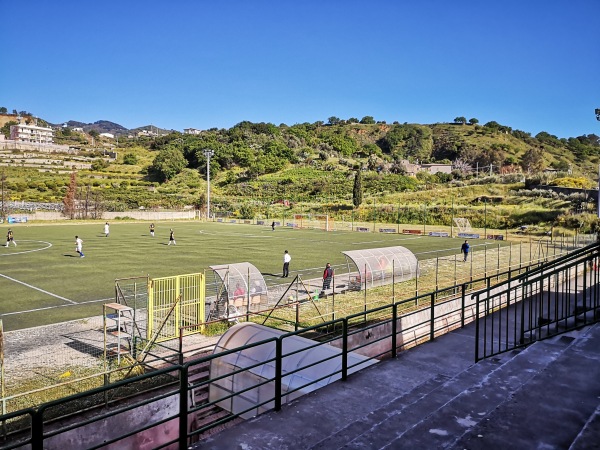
x,y
286,264
79,246
465,249
172,238
273,226
327,276
10,238
106,229
152,229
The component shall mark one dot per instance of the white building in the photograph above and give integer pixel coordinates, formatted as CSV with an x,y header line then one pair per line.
x,y
191,131
107,135
31,133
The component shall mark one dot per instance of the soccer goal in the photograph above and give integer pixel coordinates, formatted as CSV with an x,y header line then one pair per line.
x,y
314,221
463,225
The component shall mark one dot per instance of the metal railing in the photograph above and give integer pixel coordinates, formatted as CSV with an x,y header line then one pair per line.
x,y
171,392
545,301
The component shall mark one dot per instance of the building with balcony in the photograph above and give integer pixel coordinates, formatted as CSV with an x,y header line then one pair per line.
x,y
31,133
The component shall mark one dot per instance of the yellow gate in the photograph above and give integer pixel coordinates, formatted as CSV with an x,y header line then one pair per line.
x,y
173,303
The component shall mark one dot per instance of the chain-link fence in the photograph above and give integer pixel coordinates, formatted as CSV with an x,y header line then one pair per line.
x,y
48,362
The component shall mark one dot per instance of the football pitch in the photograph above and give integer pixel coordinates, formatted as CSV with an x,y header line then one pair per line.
x,y
43,280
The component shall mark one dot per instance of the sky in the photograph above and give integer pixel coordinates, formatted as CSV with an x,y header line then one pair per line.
x,y
532,65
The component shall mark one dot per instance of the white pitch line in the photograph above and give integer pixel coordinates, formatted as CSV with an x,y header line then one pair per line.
x,y
53,307
38,289
28,251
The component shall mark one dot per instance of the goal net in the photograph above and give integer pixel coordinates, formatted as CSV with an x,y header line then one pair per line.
x,y
314,221
463,225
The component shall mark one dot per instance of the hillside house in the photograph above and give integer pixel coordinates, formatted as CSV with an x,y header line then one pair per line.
x,y
191,131
107,135
31,133
412,169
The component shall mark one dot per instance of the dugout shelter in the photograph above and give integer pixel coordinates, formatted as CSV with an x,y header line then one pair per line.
x,y
249,372
241,285
378,266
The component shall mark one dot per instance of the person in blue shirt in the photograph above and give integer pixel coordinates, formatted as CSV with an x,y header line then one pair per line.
x,y
465,249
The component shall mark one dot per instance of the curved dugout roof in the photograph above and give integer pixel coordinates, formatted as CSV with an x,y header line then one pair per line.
x,y
260,366
378,266
240,279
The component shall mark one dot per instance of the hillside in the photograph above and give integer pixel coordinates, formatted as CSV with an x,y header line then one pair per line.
x,y
257,167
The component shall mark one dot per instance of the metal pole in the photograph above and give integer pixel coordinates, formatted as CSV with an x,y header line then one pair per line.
x,y
452,220
437,269
485,219
393,281
208,153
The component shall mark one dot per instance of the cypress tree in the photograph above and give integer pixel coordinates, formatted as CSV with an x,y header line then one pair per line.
x,y
357,190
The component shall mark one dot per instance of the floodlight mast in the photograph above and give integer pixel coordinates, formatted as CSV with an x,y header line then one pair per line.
x,y
208,153
597,111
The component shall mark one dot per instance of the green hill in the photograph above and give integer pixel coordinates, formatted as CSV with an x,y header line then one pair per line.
x,y
257,167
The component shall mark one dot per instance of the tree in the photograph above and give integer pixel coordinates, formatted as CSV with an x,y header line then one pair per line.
x,y
533,160
6,128
357,190
367,120
3,110
69,200
460,119
94,134
168,163
333,120
473,121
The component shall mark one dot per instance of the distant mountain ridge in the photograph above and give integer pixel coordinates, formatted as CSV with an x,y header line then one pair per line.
x,y
106,126
101,126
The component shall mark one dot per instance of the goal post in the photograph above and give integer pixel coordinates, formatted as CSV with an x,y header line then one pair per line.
x,y
313,221
463,225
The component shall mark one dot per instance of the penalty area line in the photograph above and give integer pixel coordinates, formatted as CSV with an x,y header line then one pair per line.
x,y
38,289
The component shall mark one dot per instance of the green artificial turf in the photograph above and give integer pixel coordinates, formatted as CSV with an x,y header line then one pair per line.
x,y
46,277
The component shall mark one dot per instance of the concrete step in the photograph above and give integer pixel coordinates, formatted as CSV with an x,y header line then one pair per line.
x,y
565,414
589,437
354,429
438,418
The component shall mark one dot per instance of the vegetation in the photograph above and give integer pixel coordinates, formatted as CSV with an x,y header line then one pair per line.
x,y
260,169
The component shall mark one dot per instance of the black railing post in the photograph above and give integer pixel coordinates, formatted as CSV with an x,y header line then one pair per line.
x,y
432,328
278,371
462,304
522,303
183,406
180,337
585,284
394,329
344,349
37,429
476,326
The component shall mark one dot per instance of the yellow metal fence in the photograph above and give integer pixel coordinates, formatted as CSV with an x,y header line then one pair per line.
x,y
174,302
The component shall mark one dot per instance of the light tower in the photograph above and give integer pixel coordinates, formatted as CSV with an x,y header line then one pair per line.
x,y
208,153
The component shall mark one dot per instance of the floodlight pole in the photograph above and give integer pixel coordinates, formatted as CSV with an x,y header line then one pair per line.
x,y
208,153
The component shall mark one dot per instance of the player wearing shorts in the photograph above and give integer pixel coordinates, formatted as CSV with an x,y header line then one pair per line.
x,y
10,238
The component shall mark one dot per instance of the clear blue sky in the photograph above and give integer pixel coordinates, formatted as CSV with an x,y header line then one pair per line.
x,y
533,65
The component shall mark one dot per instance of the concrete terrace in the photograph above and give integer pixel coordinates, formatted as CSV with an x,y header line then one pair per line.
x,y
546,396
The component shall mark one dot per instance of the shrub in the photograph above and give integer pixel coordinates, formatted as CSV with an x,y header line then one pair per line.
x,y
130,159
